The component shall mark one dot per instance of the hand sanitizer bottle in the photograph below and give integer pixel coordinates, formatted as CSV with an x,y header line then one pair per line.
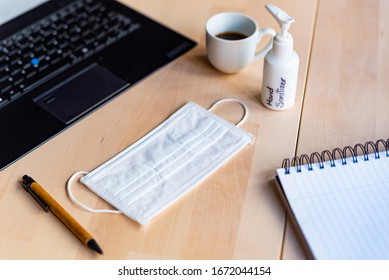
x,y
280,69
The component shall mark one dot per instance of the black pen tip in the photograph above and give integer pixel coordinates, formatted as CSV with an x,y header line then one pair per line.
x,y
94,246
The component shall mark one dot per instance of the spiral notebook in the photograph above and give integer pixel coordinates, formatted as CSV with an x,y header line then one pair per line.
x,y
339,200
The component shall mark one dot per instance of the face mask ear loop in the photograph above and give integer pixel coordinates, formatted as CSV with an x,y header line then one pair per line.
x,y
78,203
245,109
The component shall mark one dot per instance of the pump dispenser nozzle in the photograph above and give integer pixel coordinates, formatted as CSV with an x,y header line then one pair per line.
x,y
281,17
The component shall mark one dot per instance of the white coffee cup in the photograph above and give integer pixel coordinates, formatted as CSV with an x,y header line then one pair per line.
x,y
230,56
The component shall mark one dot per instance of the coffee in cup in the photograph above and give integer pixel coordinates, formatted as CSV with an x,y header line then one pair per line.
x,y
232,39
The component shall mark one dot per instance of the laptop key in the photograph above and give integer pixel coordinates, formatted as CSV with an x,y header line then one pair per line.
x,y
5,87
3,100
3,77
12,92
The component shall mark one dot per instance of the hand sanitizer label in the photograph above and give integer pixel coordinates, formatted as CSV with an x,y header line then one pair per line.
x,y
275,98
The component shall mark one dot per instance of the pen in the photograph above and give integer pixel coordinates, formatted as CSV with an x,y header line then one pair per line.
x,y
49,204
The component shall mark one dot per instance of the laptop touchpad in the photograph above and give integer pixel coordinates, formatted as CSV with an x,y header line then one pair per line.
x,y
80,93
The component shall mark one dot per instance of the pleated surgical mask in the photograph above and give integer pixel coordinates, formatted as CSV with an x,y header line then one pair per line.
x,y
167,163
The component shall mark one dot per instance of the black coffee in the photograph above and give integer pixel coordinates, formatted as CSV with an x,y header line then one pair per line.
x,y
231,36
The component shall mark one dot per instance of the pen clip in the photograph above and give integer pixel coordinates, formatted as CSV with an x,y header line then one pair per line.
x,y
27,181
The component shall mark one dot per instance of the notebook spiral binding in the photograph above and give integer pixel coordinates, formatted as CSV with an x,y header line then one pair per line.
x,y
348,152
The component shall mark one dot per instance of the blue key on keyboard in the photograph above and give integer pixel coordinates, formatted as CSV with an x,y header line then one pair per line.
x,y
35,62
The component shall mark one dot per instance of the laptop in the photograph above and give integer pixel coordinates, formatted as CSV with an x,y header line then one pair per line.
x,y
60,60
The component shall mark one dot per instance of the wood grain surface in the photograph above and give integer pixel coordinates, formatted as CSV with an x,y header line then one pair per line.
x,y
235,213
346,100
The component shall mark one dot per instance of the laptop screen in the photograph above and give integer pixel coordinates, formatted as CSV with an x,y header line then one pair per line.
x,y
10,9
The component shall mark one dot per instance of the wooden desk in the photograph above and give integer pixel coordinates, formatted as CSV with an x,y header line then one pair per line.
x,y
346,99
235,214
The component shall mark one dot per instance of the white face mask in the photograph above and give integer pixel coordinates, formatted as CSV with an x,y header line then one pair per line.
x,y
161,167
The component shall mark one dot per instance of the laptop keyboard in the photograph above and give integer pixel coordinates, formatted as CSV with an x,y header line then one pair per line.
x,y
46,48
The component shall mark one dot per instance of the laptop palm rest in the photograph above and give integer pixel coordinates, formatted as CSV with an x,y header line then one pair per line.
x,y
80,93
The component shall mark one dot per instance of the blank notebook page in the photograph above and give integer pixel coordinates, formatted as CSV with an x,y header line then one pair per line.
x,y
342,211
